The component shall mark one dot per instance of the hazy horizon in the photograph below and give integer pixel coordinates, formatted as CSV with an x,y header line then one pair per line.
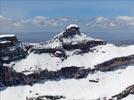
x,y
41,20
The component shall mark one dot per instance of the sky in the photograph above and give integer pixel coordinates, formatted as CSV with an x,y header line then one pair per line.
x,y
22,16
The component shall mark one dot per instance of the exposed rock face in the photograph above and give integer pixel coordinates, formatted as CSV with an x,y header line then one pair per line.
x,y
56,52
9,77
12,49
71,30
113,64
2,87
46,97
10,38
129,90
84,45
70,39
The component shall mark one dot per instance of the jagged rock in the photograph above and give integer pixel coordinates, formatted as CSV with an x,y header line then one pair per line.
x,y
115,63
10,77
84,46
46,97
2,87
129,90
70,39
71,30
12,49
11,38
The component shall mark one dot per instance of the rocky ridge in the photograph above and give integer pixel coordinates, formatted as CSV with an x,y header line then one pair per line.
x,y
11,49
10,77
70,39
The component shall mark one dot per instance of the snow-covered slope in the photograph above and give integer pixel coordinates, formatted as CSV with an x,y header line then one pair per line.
x,y
109,84
46,61
72,48
97,54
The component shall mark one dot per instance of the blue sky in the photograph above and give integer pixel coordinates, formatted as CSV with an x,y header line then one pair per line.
x,y
116,16
72,8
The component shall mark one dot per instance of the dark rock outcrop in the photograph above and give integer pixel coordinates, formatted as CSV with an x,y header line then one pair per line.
x,y
115,63
11,38
46,97
94,81
71,31
11,49
84,45
56,52
129,90
65,42
2,87
9,77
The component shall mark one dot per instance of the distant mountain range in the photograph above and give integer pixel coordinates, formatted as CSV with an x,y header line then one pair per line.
x,y
115,38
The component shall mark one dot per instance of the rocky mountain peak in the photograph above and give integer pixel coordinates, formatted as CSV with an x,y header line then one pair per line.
x,y
71,34
72,29
70,39
7,40
11,48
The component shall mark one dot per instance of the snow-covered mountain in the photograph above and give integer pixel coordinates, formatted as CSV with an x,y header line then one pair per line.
x,y
70,66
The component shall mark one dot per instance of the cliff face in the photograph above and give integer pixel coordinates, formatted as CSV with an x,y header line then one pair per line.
x,y
11,48
114,63
128,91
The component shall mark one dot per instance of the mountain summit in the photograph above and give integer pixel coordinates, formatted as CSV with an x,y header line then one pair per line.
x,y
72,38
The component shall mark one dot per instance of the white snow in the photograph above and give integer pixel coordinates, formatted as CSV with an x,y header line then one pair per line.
x,y
90,59
5,35
3,42
72,25
110,83
55,42
35,62
130,97
77,38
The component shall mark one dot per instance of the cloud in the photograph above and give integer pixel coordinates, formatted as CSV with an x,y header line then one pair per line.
x,y
39,20
101,22
111,24
45,21
26,21
101,19
64,19
18,24
40,23
2,19
21,23
116,22
128,20
125,18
